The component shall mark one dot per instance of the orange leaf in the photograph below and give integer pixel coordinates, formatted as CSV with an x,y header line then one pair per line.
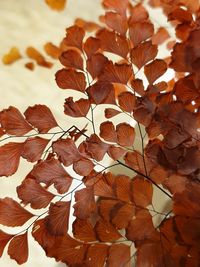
x,y
142,192
9,158
160,36
143,53
95,64
107,131
13,122
12,56
79,108
96,255
30,65
138,14
138,87
88,26
50,172
83,230
41,117
115,152
125,134
116,22
52,50
106,232
154,70
119,255
18,248
74,37
126,101
71,59
32,192
57,5
33,148
119,7
71,79
181,15
85,203
4,239
58,218
38,57
12,214
140,31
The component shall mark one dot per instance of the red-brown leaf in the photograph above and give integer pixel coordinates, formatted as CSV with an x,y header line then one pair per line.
x,y
121,217
33,148
4,239
160,36
78,108
126,101
71,59
96,255
85,203
140,31
116,22
51,172
71,79
58,219
123,188
111,112
138,14
91,46
74,37
67,151
119,7
154,70
142,192
107,131
113,43
143,53
106,232
41,117
115,152
9,158
18,248
125,134
88,26
96,64
104,186
138,86
83,166
135,161
101,93
31,192
13,122
12,214
181,15
83,230
119,255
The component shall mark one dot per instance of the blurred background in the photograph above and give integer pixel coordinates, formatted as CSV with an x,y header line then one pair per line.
x,y
31,22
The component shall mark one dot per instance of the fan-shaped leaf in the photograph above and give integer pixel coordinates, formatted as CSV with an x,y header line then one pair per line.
x,y
96,255
106,232
83,166
111,112
52,50
142,192
18,248
116,22
119,255
121,217
107,131
12,56
38,57
71,59
57,5
96,64
154,70
78,108
160,36
127,101
74,37
138,14
138,86
119,7
140,31
83,230
4,239
115,152
125,134
91,46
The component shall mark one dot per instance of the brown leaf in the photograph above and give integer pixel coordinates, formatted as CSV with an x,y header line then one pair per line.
x,y
50,172
115,152
119,255
126,101
12,56
135,161
34,54
33,148
107,131
138,87
140,31
106,207
116,73
31,192
106,232
104,186
18,248
155,70
9,158
74,37
101,93
83,166
30,66
57,5
88,26
78,108
4,239
143,53
71,59
123,188
138,14
116,22
71,79
111,112
85,203
83,230
91,46
181,15
121,217
115,5
41,117
125,134
52,50
113,43
13,122
96,255
160,36
58,219
142,192
96,64
12,214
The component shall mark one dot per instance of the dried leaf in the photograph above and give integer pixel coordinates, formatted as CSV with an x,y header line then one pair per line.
x,y
88,26
111,112
79,108
142,192
91,46
74,37
160,36
12,56
83,230
95,64
12,214
126,101
106,232
96,255
116,22
138,14
119,7
154,70
71,59
119,255
107,131
140,31
4,239
18,248
34,54
83,166
125,134
138,87
57,5
52,50
115,152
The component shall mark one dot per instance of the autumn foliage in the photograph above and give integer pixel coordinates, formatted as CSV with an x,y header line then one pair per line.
x,y
115,222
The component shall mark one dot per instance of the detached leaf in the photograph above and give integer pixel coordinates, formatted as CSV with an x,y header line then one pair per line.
x,y
33,148
4,239
57,5
71,79
31,192
71,59
143,53
155,70
38,57
119,255
74,37
13,122
41,117
9,158
12,214
140,31
85,203
18,248
125,134
107,131
58,219
52,50
78,108
12,56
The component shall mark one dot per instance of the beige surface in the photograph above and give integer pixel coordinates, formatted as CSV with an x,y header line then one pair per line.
x,y
24,23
